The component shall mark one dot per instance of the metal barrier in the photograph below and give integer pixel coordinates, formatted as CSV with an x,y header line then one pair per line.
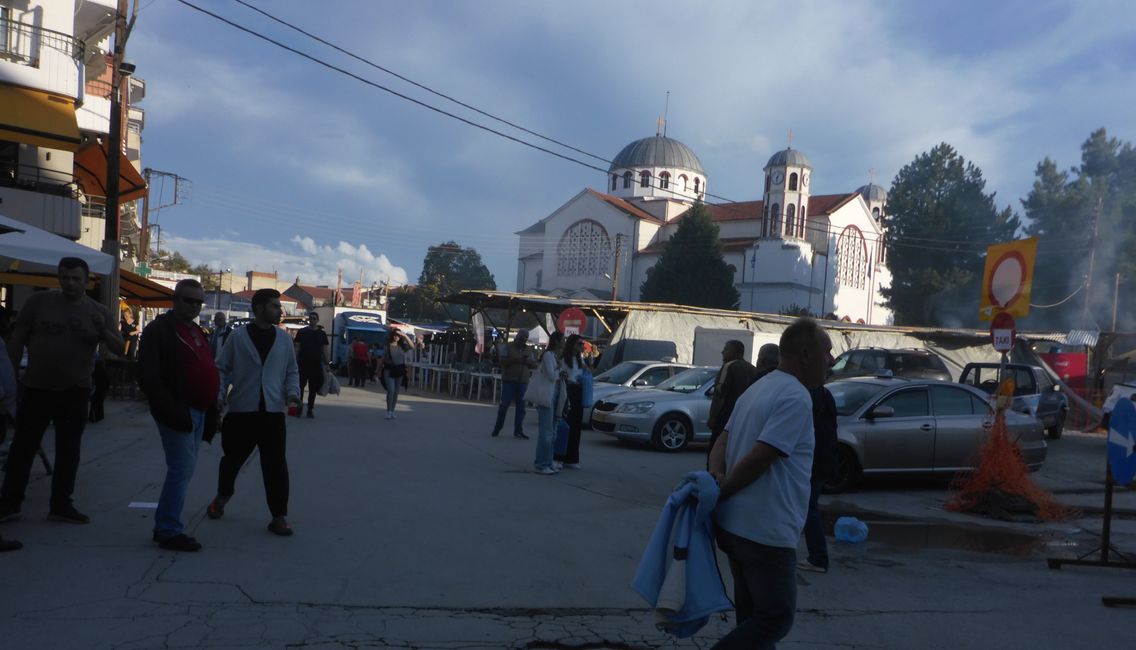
x,y
22,42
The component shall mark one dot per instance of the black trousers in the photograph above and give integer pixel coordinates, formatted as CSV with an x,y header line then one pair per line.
x,y
311,375
240,435
67,409
575,418
357,370
100,379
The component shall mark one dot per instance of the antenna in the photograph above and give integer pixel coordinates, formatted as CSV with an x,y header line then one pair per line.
x,y
666,113
790,138
871,176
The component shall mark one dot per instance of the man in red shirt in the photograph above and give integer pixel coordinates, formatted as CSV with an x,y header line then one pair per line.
x,y
360,359
178,375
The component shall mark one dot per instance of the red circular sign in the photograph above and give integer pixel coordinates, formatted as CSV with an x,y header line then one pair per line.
x,y
1007,279
1003,332
571,321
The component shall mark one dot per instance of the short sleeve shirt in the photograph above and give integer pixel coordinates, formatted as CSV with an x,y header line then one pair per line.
x,y
61,339
777,411
311,342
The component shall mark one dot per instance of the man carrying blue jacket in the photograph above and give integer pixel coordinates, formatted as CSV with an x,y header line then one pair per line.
x,y
259,365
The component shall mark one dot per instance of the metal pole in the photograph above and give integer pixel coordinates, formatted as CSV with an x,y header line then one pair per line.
x,y
114,149
1092,256
615,268
1115,299
144,236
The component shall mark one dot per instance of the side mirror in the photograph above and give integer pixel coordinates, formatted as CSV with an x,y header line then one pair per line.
x,y
1056,388
710,392
881,412
639,383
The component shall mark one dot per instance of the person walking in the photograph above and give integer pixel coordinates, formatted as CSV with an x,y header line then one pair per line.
x,y
61,328
177,373
546,392
763,462
573,362
734,378
259,366
8,393
312,359
394,368
516,371
221,330
357,366
824,466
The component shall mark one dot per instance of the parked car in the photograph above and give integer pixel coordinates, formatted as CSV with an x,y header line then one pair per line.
x,y
1035,393
631,374
669,416
926,427
910,363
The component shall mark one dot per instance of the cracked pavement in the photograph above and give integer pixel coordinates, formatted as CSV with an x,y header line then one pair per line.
x,y
423,532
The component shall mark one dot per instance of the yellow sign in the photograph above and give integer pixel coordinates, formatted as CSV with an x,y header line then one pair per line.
x,y
1008,278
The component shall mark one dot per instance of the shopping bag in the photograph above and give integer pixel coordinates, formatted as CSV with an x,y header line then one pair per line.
x,y
325,384
332,384
560,443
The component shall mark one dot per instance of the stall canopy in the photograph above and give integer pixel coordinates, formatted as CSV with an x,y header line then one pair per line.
x,y
38,118
91,172
140,292
27,249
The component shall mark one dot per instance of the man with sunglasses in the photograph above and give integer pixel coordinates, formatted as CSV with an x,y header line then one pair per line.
x,y
178,375
61,329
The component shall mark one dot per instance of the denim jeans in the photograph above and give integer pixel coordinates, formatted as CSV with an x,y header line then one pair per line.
x,y
392,384
512,393
545,434
765,592
181,459
814,531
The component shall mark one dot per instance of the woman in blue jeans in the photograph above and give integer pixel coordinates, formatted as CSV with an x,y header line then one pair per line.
x,y
394,368
550,371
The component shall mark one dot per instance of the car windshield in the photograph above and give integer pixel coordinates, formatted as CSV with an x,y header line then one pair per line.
x,y
851,395
688,381
620,373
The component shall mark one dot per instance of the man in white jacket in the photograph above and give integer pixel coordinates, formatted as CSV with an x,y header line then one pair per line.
x,y
258,363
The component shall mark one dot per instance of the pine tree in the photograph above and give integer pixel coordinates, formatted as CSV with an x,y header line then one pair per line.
x,y
691,270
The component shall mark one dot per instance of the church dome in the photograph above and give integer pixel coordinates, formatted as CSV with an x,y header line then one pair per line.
x,y
657,151
789,156
872,192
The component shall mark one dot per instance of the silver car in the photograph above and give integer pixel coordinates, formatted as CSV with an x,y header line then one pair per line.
x,y
895,426
631,374
669,416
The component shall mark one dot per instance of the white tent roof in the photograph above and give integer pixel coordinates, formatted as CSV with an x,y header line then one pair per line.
x,y
28,249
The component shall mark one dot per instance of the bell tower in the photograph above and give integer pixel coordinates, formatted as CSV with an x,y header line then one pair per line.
x,y
787,177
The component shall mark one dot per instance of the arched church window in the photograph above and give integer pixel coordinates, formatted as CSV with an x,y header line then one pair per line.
x,y
614,181
626,180
793,182
697,181
584,250
852,258
791,220
644,178
801,214
767,182
665,180
801,225
876,213
683,179
775,220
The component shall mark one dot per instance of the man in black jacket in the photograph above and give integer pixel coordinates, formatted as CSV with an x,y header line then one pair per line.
x,y
178,375
824,464
734,378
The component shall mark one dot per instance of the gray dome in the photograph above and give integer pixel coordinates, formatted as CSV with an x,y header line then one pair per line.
x,y
657,151
872,192
789,156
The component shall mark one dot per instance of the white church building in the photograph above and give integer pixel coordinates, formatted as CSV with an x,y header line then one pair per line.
x,y
791,250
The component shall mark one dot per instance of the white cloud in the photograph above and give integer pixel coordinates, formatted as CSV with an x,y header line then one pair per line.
x,y
300,257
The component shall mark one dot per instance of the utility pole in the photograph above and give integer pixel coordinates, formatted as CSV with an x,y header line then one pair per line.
x,y
1115,299
1092,256
111,245
615,267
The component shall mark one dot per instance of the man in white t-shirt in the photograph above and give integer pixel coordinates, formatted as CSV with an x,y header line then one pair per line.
x,y
763,462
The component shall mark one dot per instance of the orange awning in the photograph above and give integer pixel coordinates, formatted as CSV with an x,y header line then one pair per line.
x,y
38,118
91,172
137,290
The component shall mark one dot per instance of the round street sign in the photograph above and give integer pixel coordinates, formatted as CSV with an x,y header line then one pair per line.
x,y
1003,332
1007,279
571,321
1122,442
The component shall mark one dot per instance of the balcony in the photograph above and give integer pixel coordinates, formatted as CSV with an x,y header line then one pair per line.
x,y
44,198
40,58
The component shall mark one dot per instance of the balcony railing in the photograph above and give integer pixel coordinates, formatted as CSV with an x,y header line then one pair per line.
x,y
24,43
38,179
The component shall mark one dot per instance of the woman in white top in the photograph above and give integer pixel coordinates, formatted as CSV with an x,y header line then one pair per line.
x,y
394,368
574,365
549,375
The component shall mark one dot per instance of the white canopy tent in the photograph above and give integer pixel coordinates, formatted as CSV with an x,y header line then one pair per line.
x,y
27,249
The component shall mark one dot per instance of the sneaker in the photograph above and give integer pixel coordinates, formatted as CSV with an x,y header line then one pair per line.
x,y
557,465
390,416
68,514
180,542
495,433
310,414
9,545
809,566
573,465
521,435
9,513
280,526
547,471
216,508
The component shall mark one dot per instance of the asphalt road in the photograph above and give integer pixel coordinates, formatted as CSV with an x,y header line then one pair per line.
x,y
425,532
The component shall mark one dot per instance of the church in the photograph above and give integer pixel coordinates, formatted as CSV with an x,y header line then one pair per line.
x,y
791,251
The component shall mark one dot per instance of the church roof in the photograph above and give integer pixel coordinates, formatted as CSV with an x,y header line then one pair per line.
x,y
789,156
819,204
625,206
872,192
729,244
657,151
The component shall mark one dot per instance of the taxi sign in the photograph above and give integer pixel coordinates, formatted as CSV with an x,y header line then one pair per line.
x,y
1008,279
1122,442
1003,332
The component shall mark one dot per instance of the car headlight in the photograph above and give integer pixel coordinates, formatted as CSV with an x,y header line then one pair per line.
x,y
635,407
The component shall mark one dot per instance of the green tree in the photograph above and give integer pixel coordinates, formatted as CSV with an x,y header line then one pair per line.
x,y
446,269
692,270
1061,209
940,221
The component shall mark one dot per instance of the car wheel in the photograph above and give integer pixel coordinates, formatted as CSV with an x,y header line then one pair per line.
x,y
1054,432
672,434
846,473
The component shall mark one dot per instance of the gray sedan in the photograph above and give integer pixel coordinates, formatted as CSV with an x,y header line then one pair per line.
x,y
894,426
669,416
631,374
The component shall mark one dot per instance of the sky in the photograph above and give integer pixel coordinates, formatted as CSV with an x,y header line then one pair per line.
x,y
296,168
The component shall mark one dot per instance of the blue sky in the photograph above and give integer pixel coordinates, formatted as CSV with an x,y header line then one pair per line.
x,y
299,169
